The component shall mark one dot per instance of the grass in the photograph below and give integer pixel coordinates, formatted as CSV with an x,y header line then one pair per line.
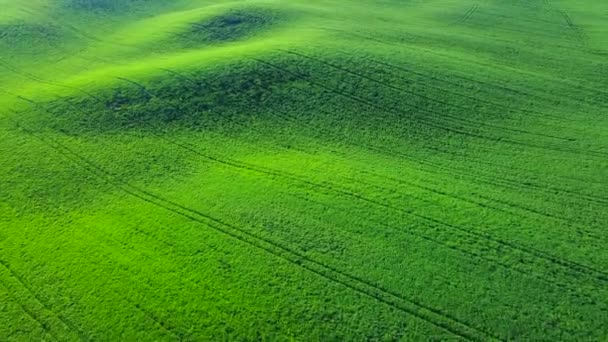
x,y
303,170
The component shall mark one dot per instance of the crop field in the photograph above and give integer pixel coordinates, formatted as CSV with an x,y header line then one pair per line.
x,y
308,170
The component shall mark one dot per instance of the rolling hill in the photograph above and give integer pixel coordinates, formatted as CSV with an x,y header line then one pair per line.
x,y
303,170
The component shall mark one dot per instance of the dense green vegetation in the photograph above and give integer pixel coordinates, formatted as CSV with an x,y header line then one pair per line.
x,y
308,170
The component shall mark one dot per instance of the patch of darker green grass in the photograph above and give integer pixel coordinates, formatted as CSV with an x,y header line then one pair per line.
x,y
20,35
238,24
220,98
104,5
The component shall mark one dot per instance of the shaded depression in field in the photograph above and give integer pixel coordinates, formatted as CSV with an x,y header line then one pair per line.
x,y
231,26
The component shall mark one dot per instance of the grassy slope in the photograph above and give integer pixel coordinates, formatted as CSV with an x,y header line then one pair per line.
x,y
303,169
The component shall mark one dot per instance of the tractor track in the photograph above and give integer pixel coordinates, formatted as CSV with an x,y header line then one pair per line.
x,y
274,173
468,14
429,123
476,253
601,275
450,105
433,316
571,84
68,326
433,168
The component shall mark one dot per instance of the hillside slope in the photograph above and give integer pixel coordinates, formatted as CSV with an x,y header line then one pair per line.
x,y
308,170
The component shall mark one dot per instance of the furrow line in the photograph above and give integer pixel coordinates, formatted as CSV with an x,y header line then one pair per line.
x,y
566,263
433,316
402,90
340,191
34,317
456,131
572,289
68,326
564,82
434,167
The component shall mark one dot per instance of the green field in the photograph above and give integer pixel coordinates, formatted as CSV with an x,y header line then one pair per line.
x,y
309,170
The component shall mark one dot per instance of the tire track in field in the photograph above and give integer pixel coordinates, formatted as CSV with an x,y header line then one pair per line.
x,y
40,80
299,179
575,28
463,199
492,180
429,123
402,90
516,206
511,184
579,268
179,335
170,329
69,330
197,82
431,315
59,22
483,84
587,196
236,165
477,252
62,23
354,98
533,211
574,265
468,14
34,317
436,317
427,76
512,211
571,84
454,119
91,95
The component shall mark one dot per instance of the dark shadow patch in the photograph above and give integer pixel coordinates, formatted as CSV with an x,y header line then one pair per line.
x,y
224,99
105,5
231,26
26,35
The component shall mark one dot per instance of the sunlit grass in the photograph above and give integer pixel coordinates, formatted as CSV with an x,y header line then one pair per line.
x,y
308,170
